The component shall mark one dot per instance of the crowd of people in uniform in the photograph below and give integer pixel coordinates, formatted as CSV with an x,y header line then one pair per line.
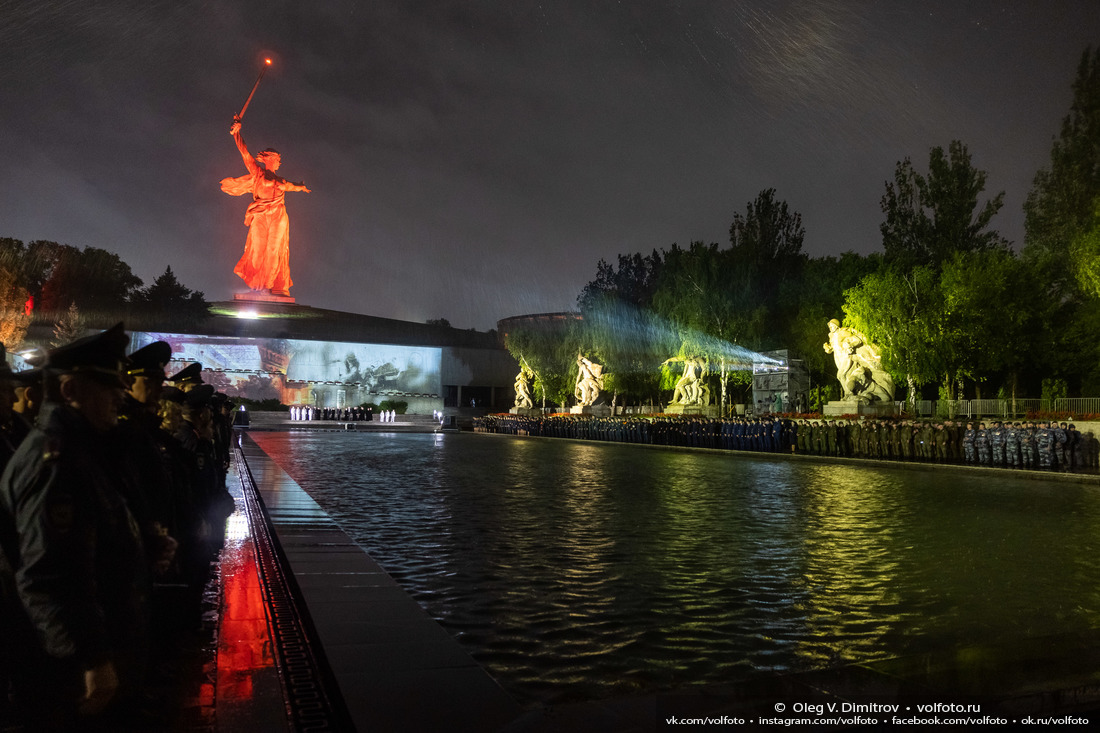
x,y
113,505
1028,444
343,414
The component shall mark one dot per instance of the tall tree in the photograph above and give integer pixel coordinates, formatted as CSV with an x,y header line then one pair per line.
x,y
633,282
168,304
768,235
98,281
1061,208
820,297
930,217
992,309
631,343
549,350
705,296
901,312
15,313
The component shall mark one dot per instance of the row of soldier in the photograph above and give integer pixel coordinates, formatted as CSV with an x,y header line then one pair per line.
x,y
113,504
345,414
1026,445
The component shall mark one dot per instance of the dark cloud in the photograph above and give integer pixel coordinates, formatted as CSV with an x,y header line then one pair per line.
x,y
474,160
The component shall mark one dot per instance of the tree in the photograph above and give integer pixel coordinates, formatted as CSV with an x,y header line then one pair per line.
x,y
632,283
97,281
991,318
930,217
768,235
820,297
30,264
68,328
167,304
713,311
15,313
438,322
1061,207
900,312
765,260
549,351
1085,255
631,343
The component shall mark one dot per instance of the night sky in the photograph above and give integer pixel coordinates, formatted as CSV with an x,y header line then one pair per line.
x,y
474,160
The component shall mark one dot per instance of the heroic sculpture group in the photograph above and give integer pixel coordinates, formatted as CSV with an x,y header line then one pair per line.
x,y
858,365
858,368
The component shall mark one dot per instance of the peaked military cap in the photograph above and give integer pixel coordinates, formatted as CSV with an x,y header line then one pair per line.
x,y
173,394
199,396
190,374
100,356
150,360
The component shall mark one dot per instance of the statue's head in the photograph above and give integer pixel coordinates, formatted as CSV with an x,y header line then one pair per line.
x,y
270,158
834,324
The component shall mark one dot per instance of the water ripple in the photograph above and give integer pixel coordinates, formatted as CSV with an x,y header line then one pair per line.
x,y
575,571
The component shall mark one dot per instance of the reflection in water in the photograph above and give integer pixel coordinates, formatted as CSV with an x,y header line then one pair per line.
x,y
575,570
244,642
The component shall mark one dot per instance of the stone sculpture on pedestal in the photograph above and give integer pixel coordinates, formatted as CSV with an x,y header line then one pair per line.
x,y
265,264
589,382
523,389
691,390
858,366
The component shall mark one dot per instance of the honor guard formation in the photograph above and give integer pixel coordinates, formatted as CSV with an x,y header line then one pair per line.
x,y
1031,445
112,508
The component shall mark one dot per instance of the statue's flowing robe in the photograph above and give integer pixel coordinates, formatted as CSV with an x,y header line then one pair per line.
x,y
265,264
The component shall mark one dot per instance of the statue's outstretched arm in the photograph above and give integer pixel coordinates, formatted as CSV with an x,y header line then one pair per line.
x,y
249,161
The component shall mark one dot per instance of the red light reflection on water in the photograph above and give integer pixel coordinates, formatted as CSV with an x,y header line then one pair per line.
x,y
244,642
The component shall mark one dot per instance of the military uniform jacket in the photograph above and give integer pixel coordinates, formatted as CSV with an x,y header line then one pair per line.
x,y
72,543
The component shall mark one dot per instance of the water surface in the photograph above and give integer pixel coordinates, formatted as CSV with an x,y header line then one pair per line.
x,y
573,570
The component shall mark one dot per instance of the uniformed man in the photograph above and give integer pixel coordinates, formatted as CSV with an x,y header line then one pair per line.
x,y
997,443
13,428
981,444
1027,445
154,504
968,443
196,435
1073,445
1044,444
1012,444
187,378
72,548
905,440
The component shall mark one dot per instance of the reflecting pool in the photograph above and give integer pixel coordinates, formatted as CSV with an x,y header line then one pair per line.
x,y
573,570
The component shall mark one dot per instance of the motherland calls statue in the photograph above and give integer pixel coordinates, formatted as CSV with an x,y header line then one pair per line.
x,y
858,365
523,389
589,382
691,390
265,265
